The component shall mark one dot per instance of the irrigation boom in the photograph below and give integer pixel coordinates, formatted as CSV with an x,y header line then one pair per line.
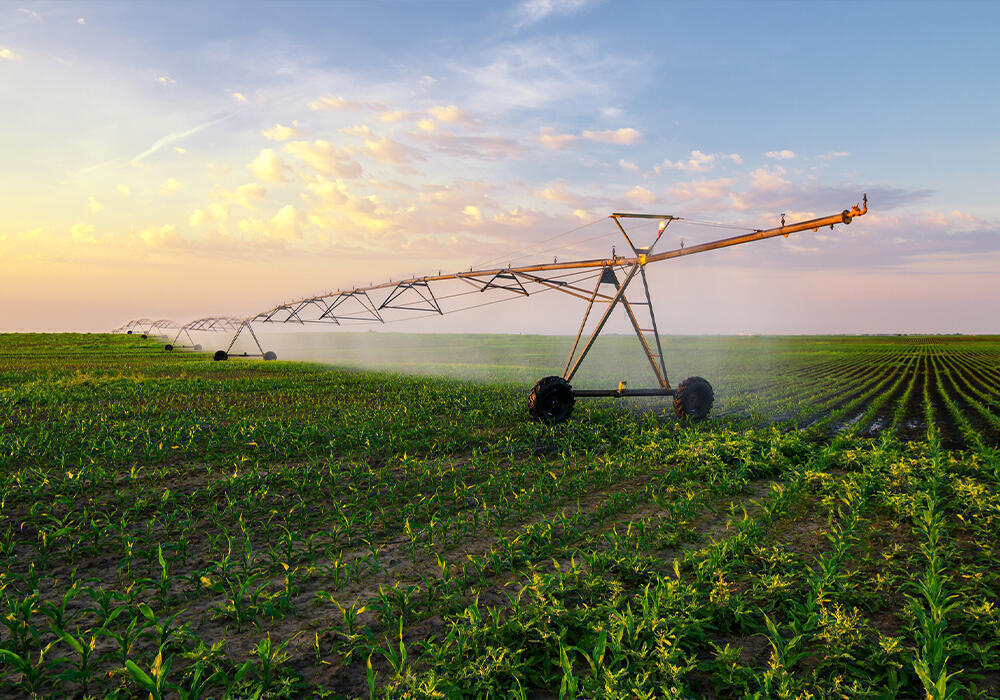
x,y
642,256
552,398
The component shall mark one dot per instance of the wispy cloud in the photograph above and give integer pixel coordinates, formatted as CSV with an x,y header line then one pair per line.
x,y
783,154
280,132
176,136
9,55
698,162
533,11
626,136
325,157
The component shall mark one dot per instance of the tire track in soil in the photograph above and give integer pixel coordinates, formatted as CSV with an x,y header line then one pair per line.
x,y
884,415
912,427
834,398
836,428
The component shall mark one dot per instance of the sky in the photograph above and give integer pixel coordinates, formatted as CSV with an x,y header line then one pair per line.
x,y
187,159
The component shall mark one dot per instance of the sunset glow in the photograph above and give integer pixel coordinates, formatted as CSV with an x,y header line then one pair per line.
x,y
181,160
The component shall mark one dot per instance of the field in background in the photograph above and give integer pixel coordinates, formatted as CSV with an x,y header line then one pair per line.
x,y
170,525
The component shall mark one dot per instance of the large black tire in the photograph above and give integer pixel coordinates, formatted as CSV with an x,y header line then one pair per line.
x,y
168,347
270,355
220,355
551,400
197,348
693,399
128,332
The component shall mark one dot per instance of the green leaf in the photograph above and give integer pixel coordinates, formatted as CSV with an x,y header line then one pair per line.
x,y
140,676
68,638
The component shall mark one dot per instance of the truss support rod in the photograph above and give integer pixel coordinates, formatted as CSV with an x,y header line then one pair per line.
x,y
661,378
604,319
254,336
583,323
564,287
233,341
656,331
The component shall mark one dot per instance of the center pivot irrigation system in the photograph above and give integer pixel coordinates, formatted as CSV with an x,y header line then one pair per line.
x,y
552,398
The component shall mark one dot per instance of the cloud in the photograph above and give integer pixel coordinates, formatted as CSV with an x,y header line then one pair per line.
x,y
81,20
170,186
627,165
165,80
768,181
531,12
641,194
94,205
698,162
479,147
830,155
9,55
279,132
783,154
31,13
626,136
223,199
335,103
339,210
357,130
268,166
557,192
563,72
710,190
284,225
81,233
287,223
175,136
124,189
180,150
450,114
238,96
394,116
391,152
552,139
157,236
325,157
473,214
427,125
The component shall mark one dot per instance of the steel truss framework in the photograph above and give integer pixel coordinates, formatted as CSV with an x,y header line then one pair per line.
x,y
598,282
146,326
209,324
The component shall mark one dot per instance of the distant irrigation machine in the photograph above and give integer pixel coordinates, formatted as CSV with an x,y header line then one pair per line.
x,y
209,324
145,327
602,282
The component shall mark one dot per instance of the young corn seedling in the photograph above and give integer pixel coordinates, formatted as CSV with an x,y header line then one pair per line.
x,y
83,670
32,673
270,659
155,681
